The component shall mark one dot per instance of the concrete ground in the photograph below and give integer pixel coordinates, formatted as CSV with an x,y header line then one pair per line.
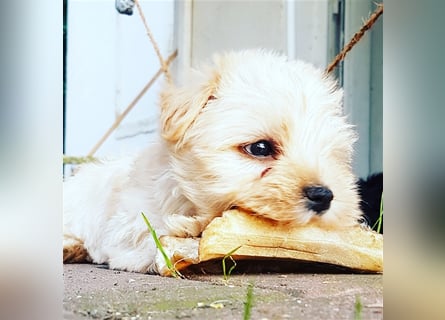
x,y
95,292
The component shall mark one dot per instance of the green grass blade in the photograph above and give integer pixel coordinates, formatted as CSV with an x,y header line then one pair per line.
x,y
167,260
229,255
378,224
78,160
381,215
249,302
358,308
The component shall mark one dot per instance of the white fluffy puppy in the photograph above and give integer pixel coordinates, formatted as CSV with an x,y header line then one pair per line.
x,y
253,131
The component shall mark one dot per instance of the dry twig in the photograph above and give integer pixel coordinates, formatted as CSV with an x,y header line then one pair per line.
x,y
356,38
163,63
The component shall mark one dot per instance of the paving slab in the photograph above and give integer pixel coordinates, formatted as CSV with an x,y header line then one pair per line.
x,y
96,292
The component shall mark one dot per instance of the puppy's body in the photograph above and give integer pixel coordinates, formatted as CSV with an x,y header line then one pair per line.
x,y
103,205
253,131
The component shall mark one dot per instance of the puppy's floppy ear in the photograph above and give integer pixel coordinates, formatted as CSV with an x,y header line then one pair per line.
x,y
181,105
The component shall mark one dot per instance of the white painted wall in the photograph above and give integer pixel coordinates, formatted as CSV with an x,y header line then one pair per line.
x,y
298,28
309,31
363,71
376,99
222,25
109,60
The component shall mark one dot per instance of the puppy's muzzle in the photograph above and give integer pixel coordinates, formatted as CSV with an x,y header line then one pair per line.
x,y
318,198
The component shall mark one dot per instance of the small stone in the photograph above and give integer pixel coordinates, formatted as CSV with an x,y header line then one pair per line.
x,y
217,305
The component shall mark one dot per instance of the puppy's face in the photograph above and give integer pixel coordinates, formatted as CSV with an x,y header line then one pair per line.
x,y
265,135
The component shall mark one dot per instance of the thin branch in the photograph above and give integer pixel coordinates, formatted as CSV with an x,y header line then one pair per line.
x,y
356,38
163,63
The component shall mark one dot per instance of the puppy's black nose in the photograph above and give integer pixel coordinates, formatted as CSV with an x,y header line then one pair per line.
x,y
318,198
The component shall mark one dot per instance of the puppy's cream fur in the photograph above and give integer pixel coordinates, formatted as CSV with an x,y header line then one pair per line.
x,y
199,166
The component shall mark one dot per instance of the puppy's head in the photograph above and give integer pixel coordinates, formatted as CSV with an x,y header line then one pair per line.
x,y
264,134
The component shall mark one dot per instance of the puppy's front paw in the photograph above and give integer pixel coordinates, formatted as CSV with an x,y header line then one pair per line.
x,y
182,252
187,226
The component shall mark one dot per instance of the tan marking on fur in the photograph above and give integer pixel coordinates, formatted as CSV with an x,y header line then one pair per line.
x,y
265,171
75,254
181,106
144,236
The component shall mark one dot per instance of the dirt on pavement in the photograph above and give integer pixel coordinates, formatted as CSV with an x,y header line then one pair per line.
x,y
96,292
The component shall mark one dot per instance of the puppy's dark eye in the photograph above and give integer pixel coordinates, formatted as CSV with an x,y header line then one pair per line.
x,y
260,149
